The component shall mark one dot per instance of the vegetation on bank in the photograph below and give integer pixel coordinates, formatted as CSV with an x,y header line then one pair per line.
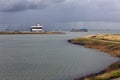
x,y
111,72
109,43
49,32
111,46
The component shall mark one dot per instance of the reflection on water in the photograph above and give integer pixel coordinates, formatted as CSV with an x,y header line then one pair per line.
x,y
48,57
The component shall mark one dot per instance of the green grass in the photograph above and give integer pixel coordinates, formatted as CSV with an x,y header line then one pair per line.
x,y
111,72
107,76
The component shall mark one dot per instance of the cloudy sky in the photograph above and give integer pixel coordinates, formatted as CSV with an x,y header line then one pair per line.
x,y
57,14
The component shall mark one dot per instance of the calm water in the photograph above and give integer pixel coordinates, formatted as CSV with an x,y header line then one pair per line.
x,y
48,57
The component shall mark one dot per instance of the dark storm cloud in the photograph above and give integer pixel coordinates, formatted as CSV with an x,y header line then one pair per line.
x,y
61,12
20,5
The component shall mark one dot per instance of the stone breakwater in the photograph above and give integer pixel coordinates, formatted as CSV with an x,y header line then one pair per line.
x,y
109,43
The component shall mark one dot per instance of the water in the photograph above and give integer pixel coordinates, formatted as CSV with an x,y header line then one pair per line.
x,y
48,57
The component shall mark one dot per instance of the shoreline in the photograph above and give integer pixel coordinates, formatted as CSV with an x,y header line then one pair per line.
x,y
105,71
12,32
109,43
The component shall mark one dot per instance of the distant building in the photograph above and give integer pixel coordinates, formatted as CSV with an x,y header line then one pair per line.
x,y
37,28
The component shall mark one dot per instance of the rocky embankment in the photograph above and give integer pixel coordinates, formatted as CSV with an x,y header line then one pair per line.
x,y
109,43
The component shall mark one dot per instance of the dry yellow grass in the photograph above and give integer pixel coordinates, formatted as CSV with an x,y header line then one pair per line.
x,y
110,37
109,43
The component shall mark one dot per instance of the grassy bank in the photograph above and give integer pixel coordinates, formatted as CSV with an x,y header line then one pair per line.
x,y
32,32
106,43
101,42
111,72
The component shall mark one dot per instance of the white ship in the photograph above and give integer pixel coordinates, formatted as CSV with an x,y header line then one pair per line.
x,y
37,28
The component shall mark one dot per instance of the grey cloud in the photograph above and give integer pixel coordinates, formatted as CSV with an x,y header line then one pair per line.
x,y
70,11
90,10
20,5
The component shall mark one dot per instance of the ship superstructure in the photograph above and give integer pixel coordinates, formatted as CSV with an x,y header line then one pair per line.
x,y
37,28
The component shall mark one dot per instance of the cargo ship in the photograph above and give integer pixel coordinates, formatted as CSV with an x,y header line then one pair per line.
x,y
79,30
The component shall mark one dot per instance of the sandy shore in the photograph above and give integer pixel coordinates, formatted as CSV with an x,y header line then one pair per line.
x,y
109,43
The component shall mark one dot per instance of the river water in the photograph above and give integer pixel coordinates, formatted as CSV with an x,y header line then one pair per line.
x,y
49,57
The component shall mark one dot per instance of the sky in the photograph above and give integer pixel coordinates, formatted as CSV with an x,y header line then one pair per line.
x,y
60,14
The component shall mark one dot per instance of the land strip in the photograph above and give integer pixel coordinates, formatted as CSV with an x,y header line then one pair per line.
x,y
49,32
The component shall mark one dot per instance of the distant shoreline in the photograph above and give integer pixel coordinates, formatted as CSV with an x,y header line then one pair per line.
x,y
109,43
48,32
